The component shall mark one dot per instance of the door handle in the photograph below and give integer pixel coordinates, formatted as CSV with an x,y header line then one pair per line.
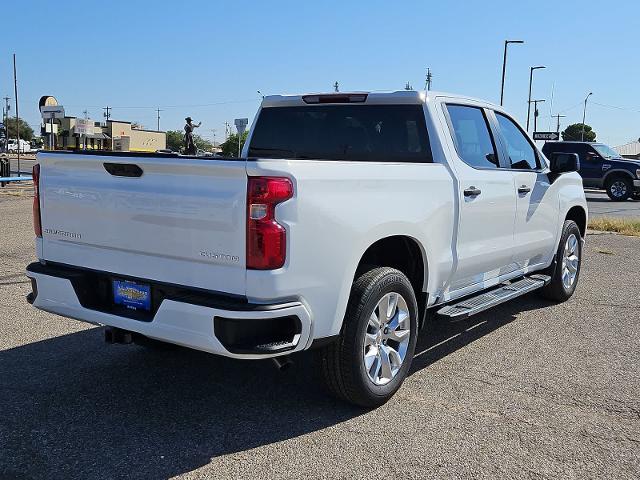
x,y
123,169
472,192
523,189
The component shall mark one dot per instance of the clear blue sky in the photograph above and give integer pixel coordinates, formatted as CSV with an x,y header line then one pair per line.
x,y
207,59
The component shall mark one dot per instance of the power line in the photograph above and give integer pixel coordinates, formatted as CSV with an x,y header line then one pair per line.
x,y
153,107
616,107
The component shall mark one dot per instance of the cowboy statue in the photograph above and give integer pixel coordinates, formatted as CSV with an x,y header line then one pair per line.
x,y
189,145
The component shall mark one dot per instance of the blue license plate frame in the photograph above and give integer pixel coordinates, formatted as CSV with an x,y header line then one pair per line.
x,y
132,295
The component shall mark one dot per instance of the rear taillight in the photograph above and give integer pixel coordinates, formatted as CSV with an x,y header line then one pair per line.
x,y
37,224
266,238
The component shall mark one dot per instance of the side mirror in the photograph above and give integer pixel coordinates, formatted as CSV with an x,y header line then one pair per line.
x,y
564,162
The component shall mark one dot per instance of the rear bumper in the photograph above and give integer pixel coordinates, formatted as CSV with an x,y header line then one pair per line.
x,y
213,324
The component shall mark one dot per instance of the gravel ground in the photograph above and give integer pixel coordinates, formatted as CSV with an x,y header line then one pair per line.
x,y
526,390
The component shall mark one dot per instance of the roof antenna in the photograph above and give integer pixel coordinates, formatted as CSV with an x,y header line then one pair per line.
x,y
408,86
335,87
427,85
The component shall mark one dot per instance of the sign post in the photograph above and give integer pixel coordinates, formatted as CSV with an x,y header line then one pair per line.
x,y
241,126
549,136
52,112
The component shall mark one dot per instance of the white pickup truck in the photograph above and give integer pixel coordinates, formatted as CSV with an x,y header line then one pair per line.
x,y
348,219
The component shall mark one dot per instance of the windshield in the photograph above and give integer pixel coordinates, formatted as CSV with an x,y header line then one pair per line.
x,y
606,151
388,133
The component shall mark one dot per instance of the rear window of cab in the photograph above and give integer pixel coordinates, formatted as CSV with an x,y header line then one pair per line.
x,y
374,133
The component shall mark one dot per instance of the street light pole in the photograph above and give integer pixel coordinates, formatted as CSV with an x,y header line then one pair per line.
x,y
504,66
584,114
530,84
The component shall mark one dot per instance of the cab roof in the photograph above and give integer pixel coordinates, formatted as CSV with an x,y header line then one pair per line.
x,y
400,97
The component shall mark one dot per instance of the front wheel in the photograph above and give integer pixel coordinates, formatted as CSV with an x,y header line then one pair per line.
x,y
619,189
566,270
372,357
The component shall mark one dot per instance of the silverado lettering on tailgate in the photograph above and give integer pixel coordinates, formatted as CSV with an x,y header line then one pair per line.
x,y
62,233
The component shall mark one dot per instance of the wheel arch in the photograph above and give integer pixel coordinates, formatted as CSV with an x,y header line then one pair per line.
x,y
615,173
406,254
398,251
579,215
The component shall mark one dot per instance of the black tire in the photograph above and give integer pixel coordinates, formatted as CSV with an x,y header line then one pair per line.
x,y
341,363
619,188
556,290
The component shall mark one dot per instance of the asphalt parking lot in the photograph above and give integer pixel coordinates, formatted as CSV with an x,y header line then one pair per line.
x,y
526,390
601,206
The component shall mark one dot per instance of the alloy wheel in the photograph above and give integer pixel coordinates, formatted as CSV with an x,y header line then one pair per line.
x,y
387,338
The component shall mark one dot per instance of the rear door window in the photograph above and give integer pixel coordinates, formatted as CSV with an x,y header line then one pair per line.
x,y
471,134
378,133
522,155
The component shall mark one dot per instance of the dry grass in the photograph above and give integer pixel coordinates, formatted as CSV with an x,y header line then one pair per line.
x,y
618,225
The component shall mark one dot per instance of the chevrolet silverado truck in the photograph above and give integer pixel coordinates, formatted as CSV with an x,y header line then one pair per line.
x,y
602,167
348,220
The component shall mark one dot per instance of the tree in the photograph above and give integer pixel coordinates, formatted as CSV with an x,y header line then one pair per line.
x,y
175,140
573,133
26,132
202,144
230,147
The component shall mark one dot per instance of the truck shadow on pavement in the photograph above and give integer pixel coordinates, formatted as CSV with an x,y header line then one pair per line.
x,y
74,407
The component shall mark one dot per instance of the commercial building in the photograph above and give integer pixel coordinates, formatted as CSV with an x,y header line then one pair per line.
x,y
629,150
127,138
113,135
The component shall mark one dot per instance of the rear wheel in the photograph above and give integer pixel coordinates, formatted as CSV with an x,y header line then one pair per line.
x,y
371,359
619,188
566,270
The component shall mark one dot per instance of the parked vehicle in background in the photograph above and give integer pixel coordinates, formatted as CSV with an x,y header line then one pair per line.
x,y
602,167
348,218
204,153
12,146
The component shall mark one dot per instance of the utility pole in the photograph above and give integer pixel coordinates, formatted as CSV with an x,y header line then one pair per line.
x,y
504,65
530,83
5,120
535,113
213,131
427,84
227,126
85,113
158,112
107,113
335,87
584,114
558,117
15,89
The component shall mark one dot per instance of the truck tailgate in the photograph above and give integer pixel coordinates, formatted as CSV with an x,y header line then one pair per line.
x,y
181,221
